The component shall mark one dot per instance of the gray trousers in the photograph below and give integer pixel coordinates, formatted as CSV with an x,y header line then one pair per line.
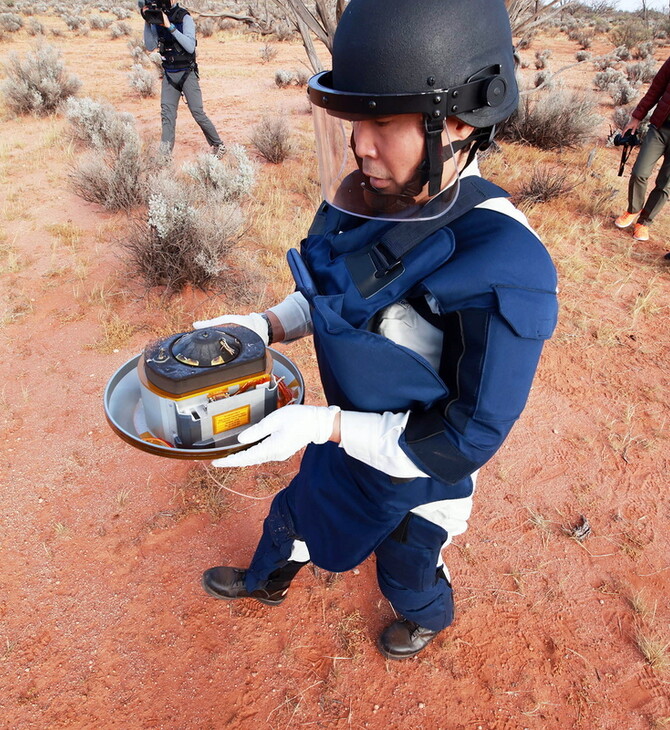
x,y
656,145
170,101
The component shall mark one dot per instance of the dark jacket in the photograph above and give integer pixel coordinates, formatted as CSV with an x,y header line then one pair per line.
x,y
659,94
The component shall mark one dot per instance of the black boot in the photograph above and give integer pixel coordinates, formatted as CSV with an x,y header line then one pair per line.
x,y
404,639
228,583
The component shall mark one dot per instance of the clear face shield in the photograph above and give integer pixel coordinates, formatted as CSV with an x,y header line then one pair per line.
x,y
378,166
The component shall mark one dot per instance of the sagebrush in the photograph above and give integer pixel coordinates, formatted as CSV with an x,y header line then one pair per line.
x,y
552,120
272,138
183,241
39,83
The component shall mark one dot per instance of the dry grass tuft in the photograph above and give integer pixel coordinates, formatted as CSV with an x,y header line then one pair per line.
x,y
653,648
352,634
116,333
202,493
545,184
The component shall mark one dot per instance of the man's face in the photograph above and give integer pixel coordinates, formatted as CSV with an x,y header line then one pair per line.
x,y
392,148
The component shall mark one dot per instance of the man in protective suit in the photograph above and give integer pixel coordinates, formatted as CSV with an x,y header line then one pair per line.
x,y
172,31
429,299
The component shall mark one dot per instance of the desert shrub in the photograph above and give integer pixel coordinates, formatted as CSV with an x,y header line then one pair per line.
x,y
74,22
573,31
226,180
621,116
622,92
39,84
268,53
582,56
99,22
283,30
57,32
552,120
585,40
225,24
602,64
284,78
541,58
183,241
11,22
542,78
622,53
206,27
116,180
301,77
644,50
120,12
271,137
98,125
136,48
34,27
641,71
604,79
546,183
119,30
142,81
630,33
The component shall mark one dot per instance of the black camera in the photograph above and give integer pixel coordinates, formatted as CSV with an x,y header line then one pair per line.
x,y
627,139
153,10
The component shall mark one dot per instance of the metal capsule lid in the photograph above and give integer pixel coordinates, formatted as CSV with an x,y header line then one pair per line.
x,y
206,348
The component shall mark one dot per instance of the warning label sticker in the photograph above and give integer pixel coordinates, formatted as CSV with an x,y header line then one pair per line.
x,y
231,419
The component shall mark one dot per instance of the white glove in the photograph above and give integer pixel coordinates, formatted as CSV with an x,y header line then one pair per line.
x,y
288,429
252,321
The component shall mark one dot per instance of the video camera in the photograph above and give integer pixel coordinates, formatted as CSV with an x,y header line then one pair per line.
x,y
153,10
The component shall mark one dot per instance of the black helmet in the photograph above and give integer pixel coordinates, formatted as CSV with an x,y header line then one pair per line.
x,y
437,57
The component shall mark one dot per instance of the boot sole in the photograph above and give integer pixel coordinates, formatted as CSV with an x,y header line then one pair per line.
x,y
628,225
210,591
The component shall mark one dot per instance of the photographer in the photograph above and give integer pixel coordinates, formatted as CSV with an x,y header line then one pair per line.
x,y
656,145
171,29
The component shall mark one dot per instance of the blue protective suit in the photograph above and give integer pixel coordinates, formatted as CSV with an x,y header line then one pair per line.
x,y
495,287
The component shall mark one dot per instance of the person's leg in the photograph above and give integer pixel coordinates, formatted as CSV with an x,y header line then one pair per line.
x,y
169,105
193,96
651,151
659,195
413,577
277,560
409,575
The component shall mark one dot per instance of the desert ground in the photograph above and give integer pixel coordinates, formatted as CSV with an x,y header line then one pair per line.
x,y
103,623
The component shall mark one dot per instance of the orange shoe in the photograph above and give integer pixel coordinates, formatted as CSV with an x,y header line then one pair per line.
x,y
641,232
625,219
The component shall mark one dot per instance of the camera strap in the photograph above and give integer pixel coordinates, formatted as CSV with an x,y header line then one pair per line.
x,y
625,154
179,85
